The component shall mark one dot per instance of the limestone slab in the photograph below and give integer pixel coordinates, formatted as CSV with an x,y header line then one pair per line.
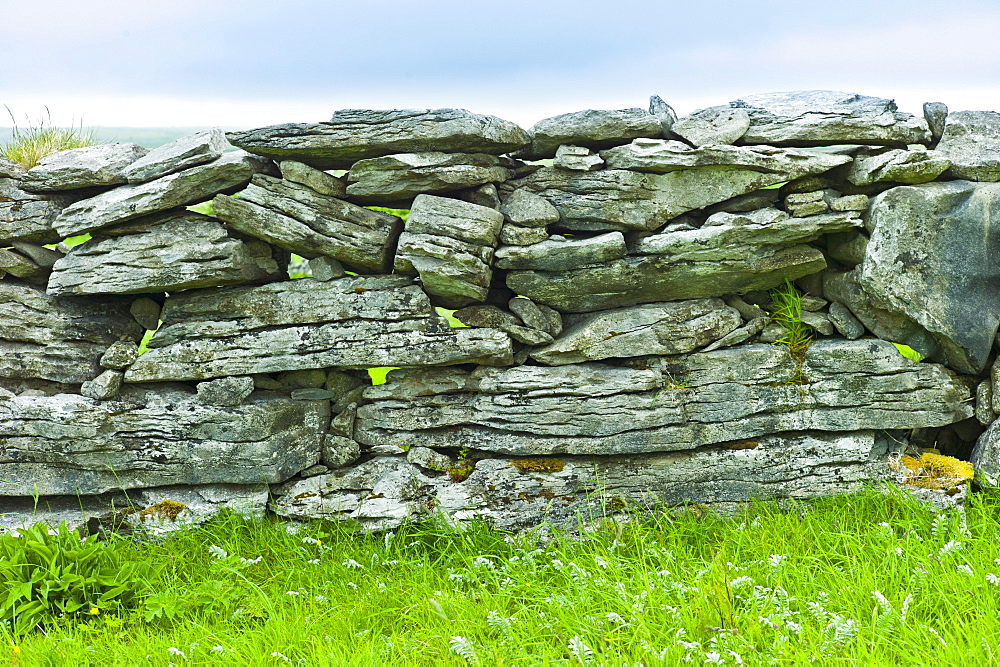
x,y
713,126
357,134
898,166
591,128
87,167
404,176
971,141
559,253
189,151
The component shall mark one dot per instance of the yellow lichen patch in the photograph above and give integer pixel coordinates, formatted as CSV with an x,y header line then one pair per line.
x,y
934,471
538,465
743,444
165,509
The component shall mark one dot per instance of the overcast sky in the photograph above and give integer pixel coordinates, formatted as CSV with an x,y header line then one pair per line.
x,y
248,63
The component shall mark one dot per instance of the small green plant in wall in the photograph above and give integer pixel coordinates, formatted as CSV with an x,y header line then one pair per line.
x,y
788,315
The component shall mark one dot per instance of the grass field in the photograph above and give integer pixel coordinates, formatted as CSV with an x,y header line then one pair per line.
x,y
873,579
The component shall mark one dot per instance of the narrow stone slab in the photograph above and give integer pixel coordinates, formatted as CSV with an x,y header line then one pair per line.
x,y
153,436
521,493
826,117
659,156
666,403
559,253
228,174
713,126
971,141
400,177
58,339
28,216
528,210
82,167
298,218
351,322
986,454
164,252
921,264
592,129
898,166
657,328
320,181
189,151
357,134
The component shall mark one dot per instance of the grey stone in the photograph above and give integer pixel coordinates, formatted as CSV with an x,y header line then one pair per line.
x,y
404,176
654,328
917,165
802,204
104,386
844,288
995,379
40,255
591,129
11,169
428,459
848,248
312,394
165,252
120,354
358,134
146,313
984,403
297,218
20,266
664,113
527,209
846,324
227,391
811,303
971,141
342,382
189,151
153,436
986,454
748,202
450,245
517,235
740,335
559,253
824,117
339,451
521,493
920,264
666,403
772,333
536,317
320,181
495,318
662,157
58,339
194,185
577,158
485,195
326,268
817,321
713,126
312,471
82,167
387,450
849,203
352,322
936,115
300,379
747,311
28,220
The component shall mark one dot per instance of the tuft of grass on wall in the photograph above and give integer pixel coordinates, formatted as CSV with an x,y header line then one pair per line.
x,y
28,145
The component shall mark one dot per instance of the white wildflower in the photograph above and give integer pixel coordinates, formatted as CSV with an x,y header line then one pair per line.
x,y
714,658
949,547
251,561
774,561
280,656
965,568
993,579
740,582
173,650
580,650
463,648
217,551
353,564
482,561
352,585
218,648
314,561
615,618
310,540
292,593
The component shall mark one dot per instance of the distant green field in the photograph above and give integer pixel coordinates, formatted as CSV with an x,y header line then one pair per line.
x,y
148,137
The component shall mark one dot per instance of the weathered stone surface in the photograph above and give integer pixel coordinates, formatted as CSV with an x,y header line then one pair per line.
x,y
189,151
848,248
529,210
146,313
986,454
104,386
191,186
714,125
516,235
352,322
514,494
58,339
577,158
153,436
825,117
40,255
228,391
165,252
495,318
19,266
559,253
428,459
120,354
849,203
485,195
28,220
404,176
357,134
936,115
325,268
971,141
592,129
297,218
82,167
11,169
984,403
664,113
320,181
917,165
339,451
449,244
803,204
665,404
661,157
535,316
740,335
846,324
944,283
654,328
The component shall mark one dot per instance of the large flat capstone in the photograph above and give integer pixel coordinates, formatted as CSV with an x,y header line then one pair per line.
x,y
153,436
662,403
352,322
357,134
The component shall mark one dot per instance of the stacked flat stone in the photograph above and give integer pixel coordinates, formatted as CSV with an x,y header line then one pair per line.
x,y
614,275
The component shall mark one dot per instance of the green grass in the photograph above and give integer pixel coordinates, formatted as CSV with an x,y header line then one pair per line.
x,y
28,145
788,315
871,579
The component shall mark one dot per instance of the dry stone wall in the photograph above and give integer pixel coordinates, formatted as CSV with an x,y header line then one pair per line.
x,y
614,275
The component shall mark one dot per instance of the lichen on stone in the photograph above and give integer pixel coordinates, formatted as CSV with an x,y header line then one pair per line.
x,y
935,471
165,509
538,465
